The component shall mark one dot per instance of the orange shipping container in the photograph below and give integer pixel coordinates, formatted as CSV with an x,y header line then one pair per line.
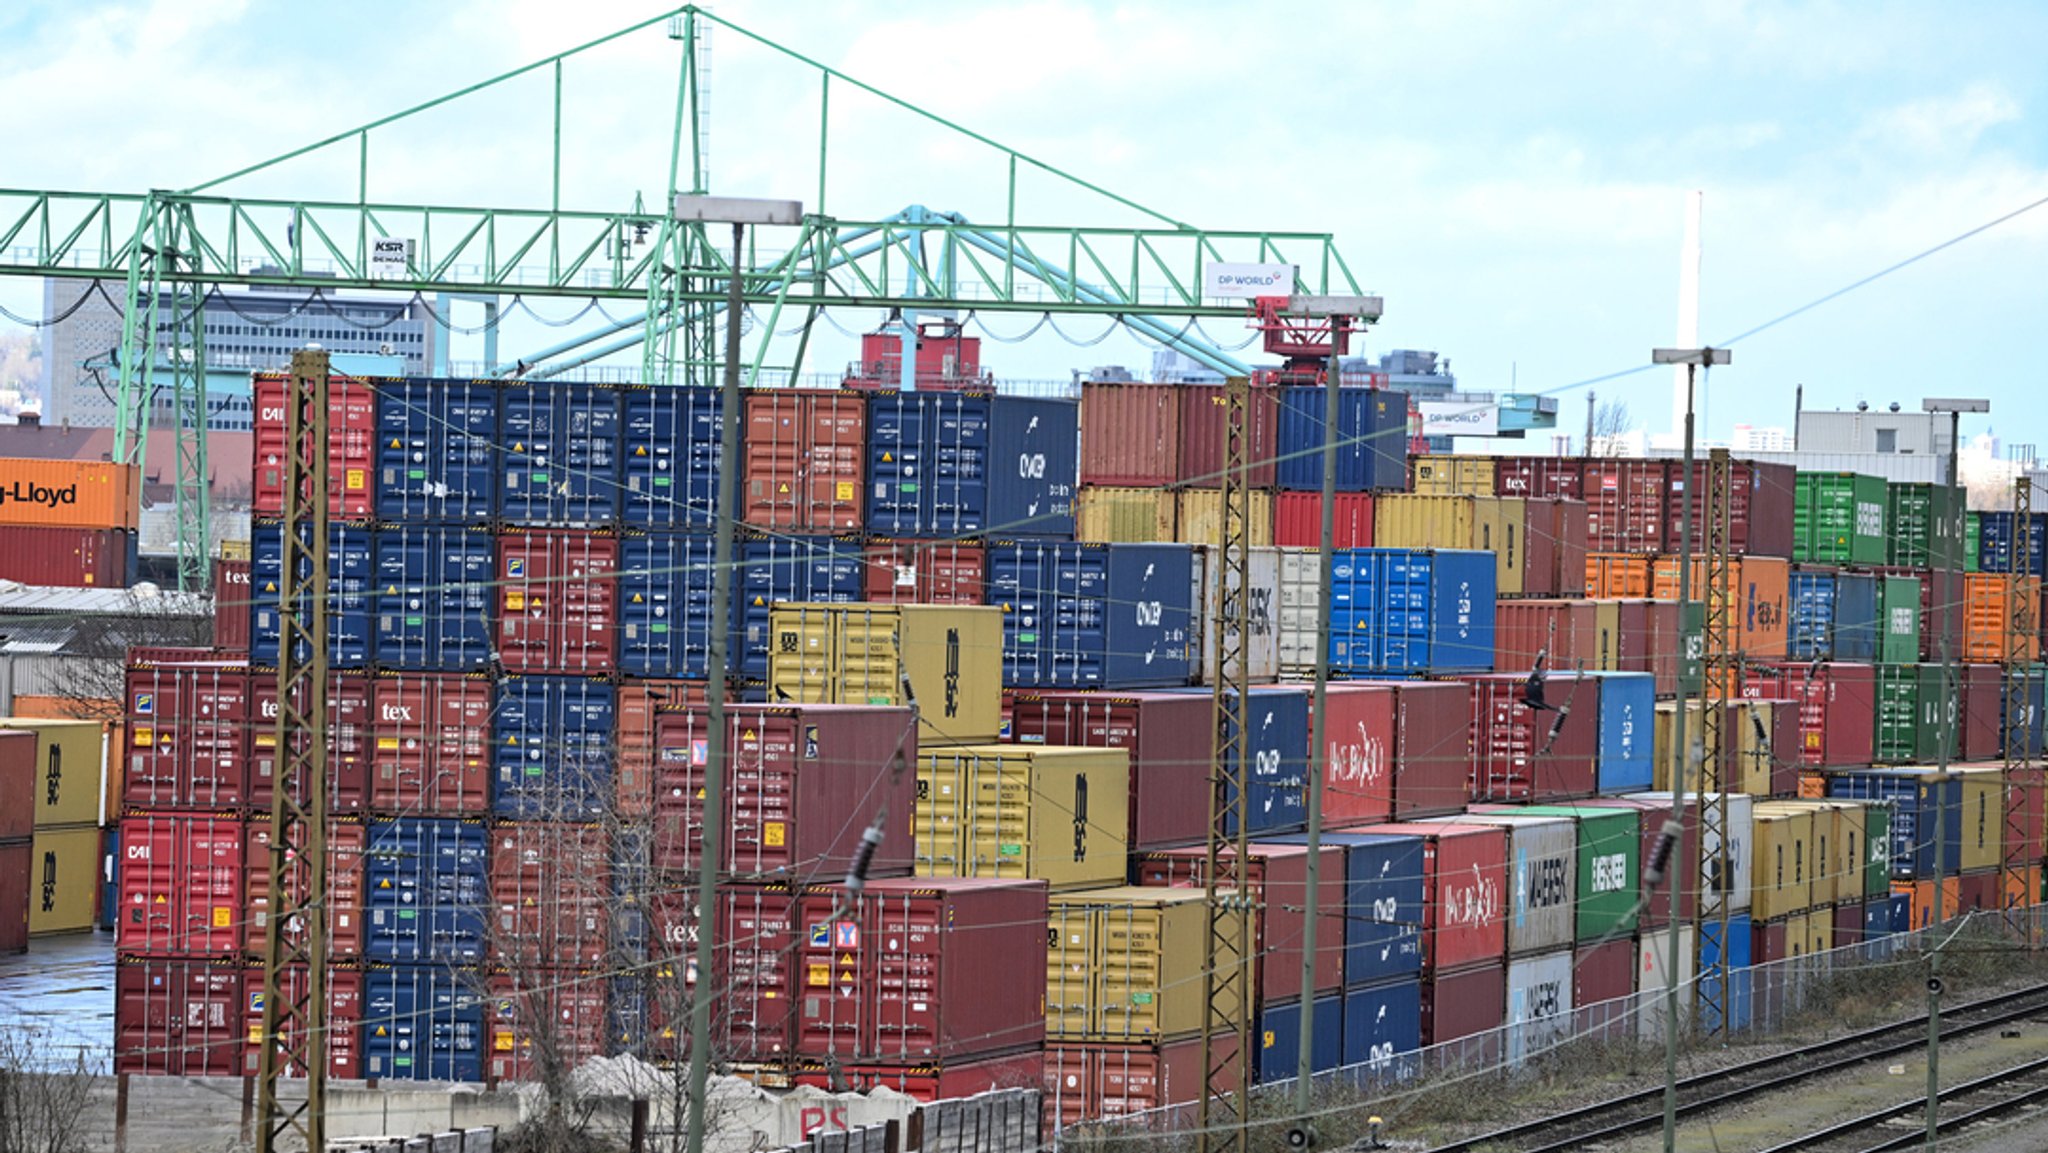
x,y
1921,906
67,493
804,457
1617,576
1759,600
1987,614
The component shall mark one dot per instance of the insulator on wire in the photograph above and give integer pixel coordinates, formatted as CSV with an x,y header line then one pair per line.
x,y
1660,854
871,840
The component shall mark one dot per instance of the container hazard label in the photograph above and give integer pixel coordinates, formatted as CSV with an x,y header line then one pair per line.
x,y
355,479
818,976
223,917
843,490
772,834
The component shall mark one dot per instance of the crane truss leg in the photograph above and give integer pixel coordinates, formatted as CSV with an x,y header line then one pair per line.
x,y
1715,877
2023,772
184,345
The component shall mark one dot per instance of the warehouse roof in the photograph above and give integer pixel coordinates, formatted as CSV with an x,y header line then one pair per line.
x,y
143,600
227,453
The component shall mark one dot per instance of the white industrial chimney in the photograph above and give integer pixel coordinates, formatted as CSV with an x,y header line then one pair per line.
x,y
1688,314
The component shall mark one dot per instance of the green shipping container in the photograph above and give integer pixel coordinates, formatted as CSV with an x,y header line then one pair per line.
x,y
1839,518
1922,527
1896,741
1898,615
1877,856
1931,725
1610,862
1973,536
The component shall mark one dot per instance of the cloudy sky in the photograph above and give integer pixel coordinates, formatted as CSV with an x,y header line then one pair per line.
x,y
1509,176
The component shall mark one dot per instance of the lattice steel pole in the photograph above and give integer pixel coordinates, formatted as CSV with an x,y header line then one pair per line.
x,y
294,1040
1715,872
1224,1115
2022,770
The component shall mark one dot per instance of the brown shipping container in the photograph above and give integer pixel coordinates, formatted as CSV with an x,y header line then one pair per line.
x,y
1758,600
344,1018
1983,699
1202,414
1432,748
182,1017
351,446
1538,477
180,884
1603,990
68,494
1298,520
925,969
14,873
929,1081
806,781
346,842
431,742
1516,757
754,1000
1833,704
640,703
1085,1081
348,744
558,602
1130,434
1464,892
231,591
925,572
539,1014
551,887
804,453
1565,629
67,557
1625,502
21,771
1556,545
1465,1003
1760,503
1169,737
1279,884
1849,923
188,735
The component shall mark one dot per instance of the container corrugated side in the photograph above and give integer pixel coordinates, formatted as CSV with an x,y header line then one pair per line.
x,y
1130,434
1372,439
1050,813
1110,514
436,453
1202,419
68,557
1094,616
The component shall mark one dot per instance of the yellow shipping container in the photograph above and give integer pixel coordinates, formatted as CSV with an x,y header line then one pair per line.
x,y
1492,523
1607,635
1125,964
63,880
1983,806
71,758
68,493
1782,870
1842,852
1133,515
1819,930
1753,752
1054,813
857,654
1200,519
1453,476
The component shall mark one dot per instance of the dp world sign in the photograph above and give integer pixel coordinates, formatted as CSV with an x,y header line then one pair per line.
x,y
1245,281
1458,418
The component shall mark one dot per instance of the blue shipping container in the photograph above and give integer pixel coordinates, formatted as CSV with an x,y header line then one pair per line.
x,y
351,575
625,1017
950,464
1995,538
1280,1037
1810,631
1277,777
1901,912
1856,626
437,451
1372,439
1877,918
423,1023
1915,802
1382,905
671,447
1740,998
1626,759
1383,1029
110,884
1094,616
664,605
427,890
552,738
790,568
434,589
2037,698
1405,611
560,453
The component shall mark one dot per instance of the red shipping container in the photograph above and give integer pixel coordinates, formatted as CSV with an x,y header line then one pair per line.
x,y
1525,754
1464,888
1787,733
1539,477
560,1011
754,999
67,557
1202,418
1298,520
1978,892
1085,1081
1835,703
231,592
1170,737
188,735
1625,502
639,703
14,873
559,602
1467,1002
1279,883
348,745
19,773
804,455
1360,734
185,1017
1760,506
925,572
1653,643
344,1019
1603,990
924,1083
1554,561
346,842
1849,922
1432,748
926,969
180,885
1768,942
431,734
351,446
1983,699
1130,434
1564,629
551,887
803,783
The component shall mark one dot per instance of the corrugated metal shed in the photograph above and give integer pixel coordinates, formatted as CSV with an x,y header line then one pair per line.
x,y
60,602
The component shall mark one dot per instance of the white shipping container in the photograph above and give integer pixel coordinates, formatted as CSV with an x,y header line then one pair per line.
x,y
1262,652
1543,876
1741,845
1300,610
1539,1004
1653,977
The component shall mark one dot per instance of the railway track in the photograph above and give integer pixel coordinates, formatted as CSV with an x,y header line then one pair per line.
x,y
1898,1127
1639,1112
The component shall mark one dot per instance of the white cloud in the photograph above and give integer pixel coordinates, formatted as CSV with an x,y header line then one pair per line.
x,y
1943,124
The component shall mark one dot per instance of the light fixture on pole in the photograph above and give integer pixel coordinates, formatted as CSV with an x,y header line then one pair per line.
x,y
738,212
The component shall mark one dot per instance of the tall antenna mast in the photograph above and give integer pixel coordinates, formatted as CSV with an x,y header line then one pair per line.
x,y
1688,314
